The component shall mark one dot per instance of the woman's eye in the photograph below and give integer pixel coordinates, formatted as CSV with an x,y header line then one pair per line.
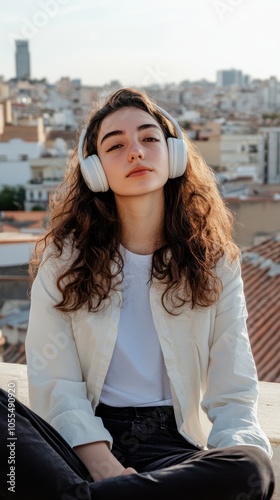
x,y
115,146
151,139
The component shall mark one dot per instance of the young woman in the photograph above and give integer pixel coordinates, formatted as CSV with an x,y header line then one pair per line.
x,y
137,328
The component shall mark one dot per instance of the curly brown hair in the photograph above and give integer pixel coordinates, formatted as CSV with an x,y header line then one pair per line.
x,y
197,227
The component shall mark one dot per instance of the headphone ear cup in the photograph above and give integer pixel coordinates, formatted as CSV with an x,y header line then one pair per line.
x,y
177,151
93,174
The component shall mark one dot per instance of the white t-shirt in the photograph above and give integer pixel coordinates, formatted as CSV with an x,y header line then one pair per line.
x,y
137,375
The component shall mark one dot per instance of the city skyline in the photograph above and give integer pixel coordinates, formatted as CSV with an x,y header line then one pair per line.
x,y
142,44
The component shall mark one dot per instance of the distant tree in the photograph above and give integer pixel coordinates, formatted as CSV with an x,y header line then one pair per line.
x,y
37,208
12,198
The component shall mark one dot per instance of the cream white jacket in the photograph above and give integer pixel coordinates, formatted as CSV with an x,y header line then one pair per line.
x,y
206,351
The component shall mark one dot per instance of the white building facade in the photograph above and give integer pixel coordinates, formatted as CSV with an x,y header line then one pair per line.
x,y
269,160
46,174
239,150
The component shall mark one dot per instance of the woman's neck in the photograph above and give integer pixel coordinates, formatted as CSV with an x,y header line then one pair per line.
x,y
142,222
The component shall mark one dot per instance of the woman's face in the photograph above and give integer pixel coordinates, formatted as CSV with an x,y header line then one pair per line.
x,y
133,151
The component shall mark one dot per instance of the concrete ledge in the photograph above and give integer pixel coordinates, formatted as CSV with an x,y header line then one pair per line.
x,y
14,372
268,408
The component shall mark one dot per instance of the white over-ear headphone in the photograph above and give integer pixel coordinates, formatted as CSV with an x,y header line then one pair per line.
x,y
93,172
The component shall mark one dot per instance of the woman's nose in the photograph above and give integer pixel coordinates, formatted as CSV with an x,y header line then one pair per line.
x,y
135,152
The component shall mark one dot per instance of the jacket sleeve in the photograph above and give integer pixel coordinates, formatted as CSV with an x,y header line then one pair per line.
x,y
57,390
231,397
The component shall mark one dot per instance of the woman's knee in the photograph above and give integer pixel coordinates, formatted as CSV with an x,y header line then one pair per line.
x,y
255,473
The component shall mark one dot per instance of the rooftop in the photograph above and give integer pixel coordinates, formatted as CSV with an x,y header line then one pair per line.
x,y
67,135
26,133
20,222
261,275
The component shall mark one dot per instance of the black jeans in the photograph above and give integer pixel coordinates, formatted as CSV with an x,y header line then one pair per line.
x,y
46,467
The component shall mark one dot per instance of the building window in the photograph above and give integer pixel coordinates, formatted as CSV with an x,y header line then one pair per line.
x,y
39,195
253,148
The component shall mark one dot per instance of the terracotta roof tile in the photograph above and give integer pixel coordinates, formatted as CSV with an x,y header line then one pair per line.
x,y
8,228
261,276
24,216
13,353
26,133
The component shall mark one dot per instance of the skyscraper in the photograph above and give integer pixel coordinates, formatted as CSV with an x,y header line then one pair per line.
x,y
227,77
22,60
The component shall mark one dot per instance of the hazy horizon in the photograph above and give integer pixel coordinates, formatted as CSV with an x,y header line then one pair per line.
x,y
142,43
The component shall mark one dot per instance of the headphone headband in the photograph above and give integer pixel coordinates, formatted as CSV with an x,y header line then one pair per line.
x,y
172,120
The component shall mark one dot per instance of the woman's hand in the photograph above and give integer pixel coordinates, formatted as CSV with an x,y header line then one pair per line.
x,y
100,462
128,470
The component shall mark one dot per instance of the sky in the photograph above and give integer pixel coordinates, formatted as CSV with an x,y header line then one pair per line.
x,y
141,43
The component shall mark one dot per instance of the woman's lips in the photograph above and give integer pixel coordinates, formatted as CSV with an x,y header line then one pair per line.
x,y
137,171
